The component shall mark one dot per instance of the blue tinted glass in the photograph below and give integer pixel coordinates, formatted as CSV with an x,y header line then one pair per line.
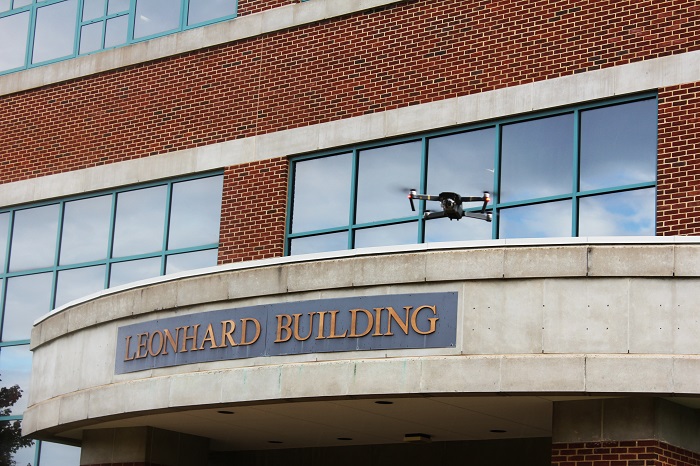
x,y
75,283
140,221
462,163
156,17
15,369
54,34
116,31
27,298
195,211
24,456
618,145
132,271
403,233
93,9
4,234
630,213
117,6
322,193
21,3
4,5
537,158
34,238
85,235
552,219
207,10
191,260
13,40
91,38
385,176
55,454
320,243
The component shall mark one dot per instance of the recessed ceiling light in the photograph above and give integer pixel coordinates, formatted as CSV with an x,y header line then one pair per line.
x,y
384,402
344,438
275,441
225,412
498,431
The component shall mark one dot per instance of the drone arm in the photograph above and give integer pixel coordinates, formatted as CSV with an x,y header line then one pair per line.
x,y
478,215
431,215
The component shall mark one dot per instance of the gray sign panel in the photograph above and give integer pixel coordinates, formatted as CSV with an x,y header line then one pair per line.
x,y
424,320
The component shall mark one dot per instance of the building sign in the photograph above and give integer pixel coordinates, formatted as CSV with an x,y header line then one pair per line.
x,y
425,320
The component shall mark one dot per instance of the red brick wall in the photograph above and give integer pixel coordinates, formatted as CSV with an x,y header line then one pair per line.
x,y
622,453
408,53
678,192
246,7
253,211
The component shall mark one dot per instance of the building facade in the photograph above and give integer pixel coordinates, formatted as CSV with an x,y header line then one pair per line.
x,y
208,256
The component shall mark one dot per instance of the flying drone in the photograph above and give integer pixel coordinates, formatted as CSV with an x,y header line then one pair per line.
x,y
451,204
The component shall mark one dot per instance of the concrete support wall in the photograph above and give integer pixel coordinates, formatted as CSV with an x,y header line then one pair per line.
x,y
142,446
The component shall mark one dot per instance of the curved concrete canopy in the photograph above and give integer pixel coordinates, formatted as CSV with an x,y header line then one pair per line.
x,y
536,322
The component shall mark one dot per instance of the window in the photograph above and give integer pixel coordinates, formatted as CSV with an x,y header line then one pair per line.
x,y
586,171
36,32
56,252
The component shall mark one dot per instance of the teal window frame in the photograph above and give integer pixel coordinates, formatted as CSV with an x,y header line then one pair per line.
x,y
54,269
495,206
35,5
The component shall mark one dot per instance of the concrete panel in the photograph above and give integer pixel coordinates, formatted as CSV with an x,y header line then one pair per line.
x,y
283,143
652,316
630,261
569,261
586,316
543,373
629,374
130,445
257,282
73,407
108,400
204,289
629,419
687,260
200,388
98,446
320,275
330,379
352,130
502,317
151,393
52,328
464,264
390,269
97,353
686,375
411,119
461,374
386,376
255,383
577,421
687,317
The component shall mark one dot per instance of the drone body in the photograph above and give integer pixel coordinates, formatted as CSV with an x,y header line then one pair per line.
x,y
451,204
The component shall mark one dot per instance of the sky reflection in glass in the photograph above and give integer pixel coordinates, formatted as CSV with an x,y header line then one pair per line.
x,y
629,213
537,158
467,229
402,233
117,6
74,283
91,37
195,211
54,34
156,16
55,454
207,10
116,31
93,9
549,220
319,243
140,221
190,261
384,177
322,193
85,235
12,48
34,238
132,271
15,369
618,145
28,297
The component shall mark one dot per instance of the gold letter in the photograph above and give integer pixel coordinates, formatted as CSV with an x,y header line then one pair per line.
x,y
353,323
378,322
150,343
173,341
209,336
432,320
226,334
195,328
244,323
285,327
141,344
333,335
126,355
320,336
395,317
296,326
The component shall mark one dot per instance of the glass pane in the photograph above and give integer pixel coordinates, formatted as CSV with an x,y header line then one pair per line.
x,y
140,221
462,163
21,3
116,31
23,456
195,211
117,6
403,233
322,193
444,229
4,233
55,454
191,260
13,40
28,298
54,35
206,10
385,176
537,158
74,283
132,271
85,234
320,243
618,145
93,9
34,238
156,16
91,38
15,369
630,213
549,220
4,5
